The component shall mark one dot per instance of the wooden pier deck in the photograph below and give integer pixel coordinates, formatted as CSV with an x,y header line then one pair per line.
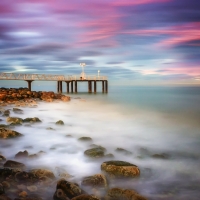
x,y
70,80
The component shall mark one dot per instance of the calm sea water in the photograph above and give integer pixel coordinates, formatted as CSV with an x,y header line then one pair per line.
x,y
160,126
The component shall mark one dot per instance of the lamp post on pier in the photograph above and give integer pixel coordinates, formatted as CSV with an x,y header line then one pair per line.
x,y
82,74
98,73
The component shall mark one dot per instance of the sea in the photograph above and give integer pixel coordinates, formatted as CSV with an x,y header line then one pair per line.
x,y
158,125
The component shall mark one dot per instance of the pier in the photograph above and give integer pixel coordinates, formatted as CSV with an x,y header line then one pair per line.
x,y
70,80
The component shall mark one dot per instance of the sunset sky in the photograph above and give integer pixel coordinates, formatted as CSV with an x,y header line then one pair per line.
x,y
134,41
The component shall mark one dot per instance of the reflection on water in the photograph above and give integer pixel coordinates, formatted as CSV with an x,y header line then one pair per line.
x,y
154,127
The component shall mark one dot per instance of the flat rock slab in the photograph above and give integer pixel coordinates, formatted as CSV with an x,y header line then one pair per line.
x,y
119,169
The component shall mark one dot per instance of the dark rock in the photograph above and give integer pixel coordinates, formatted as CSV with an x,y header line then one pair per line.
x,y
3,125
26,177
2,158
49,128
160,156
6,113
6,133
123,151
85,139
67,189
13,164
116,169
5,173
17,110
95,181
109,155
4,197
60,122
96,152
22,154
1,189
119,194
32,120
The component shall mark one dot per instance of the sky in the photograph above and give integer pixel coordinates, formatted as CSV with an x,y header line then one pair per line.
x,y
130,41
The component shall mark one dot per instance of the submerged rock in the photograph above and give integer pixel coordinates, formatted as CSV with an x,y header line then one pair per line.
x,y
67,190
85,197
14,120
119,194
6,133
2,158
32,120
43,172
123,151
17,110
117,169
85,139
95,181
96,152
6,113
22,154
60,122
13,164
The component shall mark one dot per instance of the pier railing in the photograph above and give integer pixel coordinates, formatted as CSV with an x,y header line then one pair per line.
x,y
48,77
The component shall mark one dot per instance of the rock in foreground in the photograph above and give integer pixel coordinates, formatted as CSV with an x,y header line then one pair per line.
x,y
117,169
6,133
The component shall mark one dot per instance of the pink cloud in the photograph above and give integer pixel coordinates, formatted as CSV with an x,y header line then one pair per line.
x,y
178,34
128,2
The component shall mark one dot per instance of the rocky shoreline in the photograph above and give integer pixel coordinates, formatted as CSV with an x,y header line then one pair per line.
x,y
21,183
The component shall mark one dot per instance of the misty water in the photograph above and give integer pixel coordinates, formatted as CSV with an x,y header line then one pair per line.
x,y
160,126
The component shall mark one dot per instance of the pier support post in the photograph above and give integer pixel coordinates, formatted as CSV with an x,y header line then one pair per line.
x,y
106,86
89,86
59,86
67,84
75,86
29,84
95,86
102,86
72,86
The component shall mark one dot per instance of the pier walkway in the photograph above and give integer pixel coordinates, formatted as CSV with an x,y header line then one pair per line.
x,y
70,80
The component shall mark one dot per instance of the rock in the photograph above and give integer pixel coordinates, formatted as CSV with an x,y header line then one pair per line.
x,y
13,164
85,197
85,139
117,169
123,151
14,120
67,189
23,194
1,189
6,113
96,152
22,154
95,181
49,128
32,120
6,173
4,197
43,172
17,110
3,126
6,185
119,194
6,133
65,98
32,188
60,122
2,158
160,156
109,155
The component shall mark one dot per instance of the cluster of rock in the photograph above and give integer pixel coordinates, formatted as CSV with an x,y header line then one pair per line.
x,y
15,95
39,184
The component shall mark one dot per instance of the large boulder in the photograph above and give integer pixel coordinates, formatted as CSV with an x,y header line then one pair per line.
x,y
6,133
43,173
67,190
60,122
85,139
22,154
32,120
119,169
119,194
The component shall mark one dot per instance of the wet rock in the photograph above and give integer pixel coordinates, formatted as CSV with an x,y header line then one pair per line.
x,y
14,120
67,189
123,151
85,139
119,194
4,125
2,158
6,113
96,152
13,164
1,189
4,197
43,172
161,156
5,173
23,194
115,169
26,177
32,188
17,110
85,197
95,181
32,120
60,122
109,155
22,154
29,198
6,133
49,128
6,185
62,173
